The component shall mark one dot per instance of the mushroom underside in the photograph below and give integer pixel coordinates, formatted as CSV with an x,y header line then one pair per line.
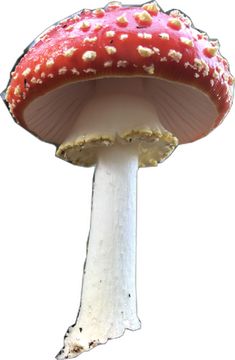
x,y
81,116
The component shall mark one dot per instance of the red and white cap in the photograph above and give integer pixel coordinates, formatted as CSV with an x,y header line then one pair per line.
x,y
190,80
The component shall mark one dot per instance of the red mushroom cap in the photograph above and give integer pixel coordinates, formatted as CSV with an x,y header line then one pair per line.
x,y
122,41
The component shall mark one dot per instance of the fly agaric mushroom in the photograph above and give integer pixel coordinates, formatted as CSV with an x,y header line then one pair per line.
x,y
117,88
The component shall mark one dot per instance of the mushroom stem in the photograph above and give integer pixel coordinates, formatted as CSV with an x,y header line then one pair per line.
x,y
108,300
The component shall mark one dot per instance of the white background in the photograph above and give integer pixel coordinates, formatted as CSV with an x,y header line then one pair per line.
x,y
186,225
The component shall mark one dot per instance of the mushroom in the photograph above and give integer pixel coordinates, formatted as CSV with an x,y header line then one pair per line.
x,y
119,88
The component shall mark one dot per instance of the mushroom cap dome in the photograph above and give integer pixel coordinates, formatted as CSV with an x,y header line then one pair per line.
x,y
126,41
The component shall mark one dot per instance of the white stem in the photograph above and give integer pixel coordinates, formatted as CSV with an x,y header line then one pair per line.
x,y
108,300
